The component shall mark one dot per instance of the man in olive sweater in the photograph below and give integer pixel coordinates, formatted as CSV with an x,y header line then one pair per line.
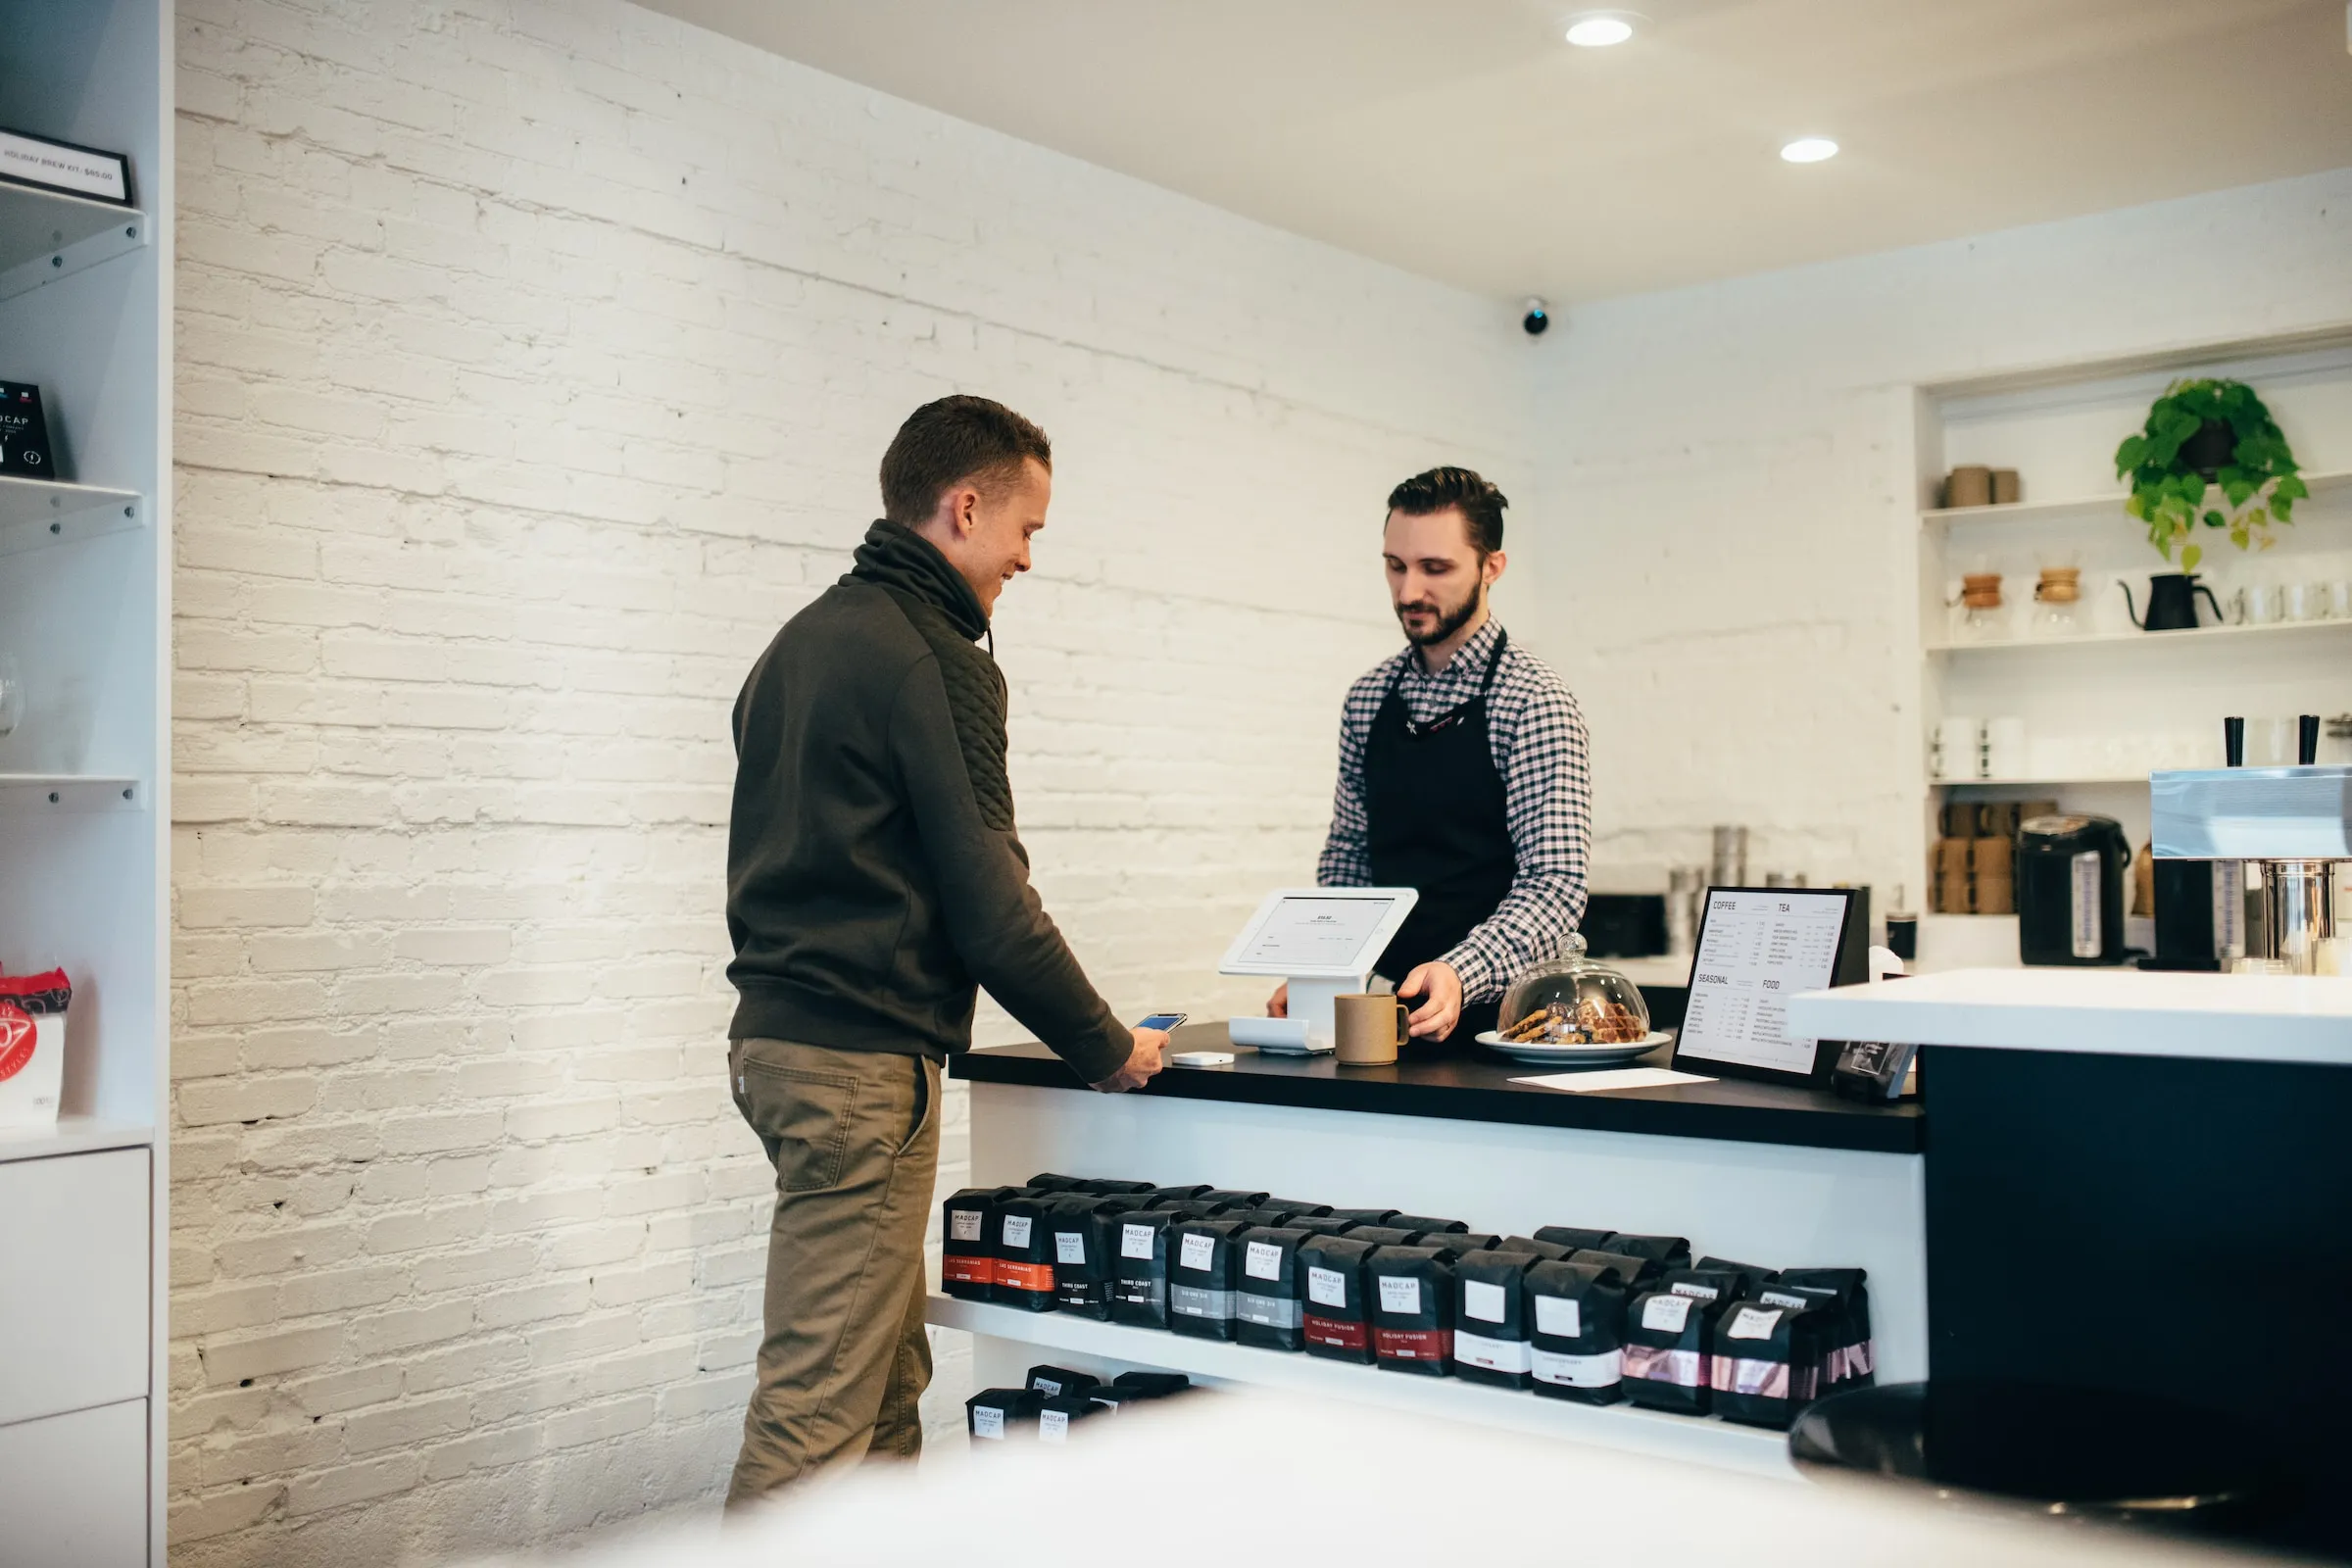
x,y
875,881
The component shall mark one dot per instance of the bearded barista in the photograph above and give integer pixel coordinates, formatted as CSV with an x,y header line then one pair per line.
x,y
1462,771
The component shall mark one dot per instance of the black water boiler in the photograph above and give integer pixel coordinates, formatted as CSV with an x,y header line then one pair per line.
x,y
2070,872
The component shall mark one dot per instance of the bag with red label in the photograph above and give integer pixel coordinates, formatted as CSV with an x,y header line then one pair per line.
x,y
32,1047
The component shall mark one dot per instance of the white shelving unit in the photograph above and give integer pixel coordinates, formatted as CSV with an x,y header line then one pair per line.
x,y
1692,1439
85,313
2108,704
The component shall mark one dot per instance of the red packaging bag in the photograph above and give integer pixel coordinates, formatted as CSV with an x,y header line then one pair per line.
x,y
32,1047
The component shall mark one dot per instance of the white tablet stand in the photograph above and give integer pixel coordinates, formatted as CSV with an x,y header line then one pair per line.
x,y
1324,941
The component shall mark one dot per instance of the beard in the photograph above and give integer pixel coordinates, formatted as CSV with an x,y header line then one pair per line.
x,y
1448,621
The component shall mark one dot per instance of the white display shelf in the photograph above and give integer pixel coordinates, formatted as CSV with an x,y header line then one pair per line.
x,y
2017,645
1696,1440
2126,1013
66,792
42,511
2319,484
47,235
72,1134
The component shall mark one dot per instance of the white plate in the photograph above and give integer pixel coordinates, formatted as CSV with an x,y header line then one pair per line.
x,y
1542,1055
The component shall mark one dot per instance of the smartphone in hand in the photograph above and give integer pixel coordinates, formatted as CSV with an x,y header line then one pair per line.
x,y
1165,1022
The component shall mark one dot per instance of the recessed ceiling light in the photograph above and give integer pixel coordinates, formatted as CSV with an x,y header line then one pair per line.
x,y
1600,29
1809,150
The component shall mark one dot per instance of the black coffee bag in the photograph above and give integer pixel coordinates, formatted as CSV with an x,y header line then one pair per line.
x,y
1556,1251
1025,1253
1269,1308
1708,1285
1139,1283
1382,1234
1204,1272
1574,1239
1668,1352
1852,1359
1337,1324
1320,1225
1153,1385
1002,1415
1424,1225
1753,1277
1168,1195
967,1263
1667,1251
1576,1332
1109,1186
1363,1216
1636,1274
1055,1380
1047,1182
1768,1361
1270,1216
1410,1291
1297,1208
1056,1415
1086,1248
1490,1318
1235,1197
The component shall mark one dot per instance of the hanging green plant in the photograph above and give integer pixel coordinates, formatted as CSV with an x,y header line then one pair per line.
x,y
2202,435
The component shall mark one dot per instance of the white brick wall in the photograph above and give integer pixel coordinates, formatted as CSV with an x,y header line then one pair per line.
x,y
534,359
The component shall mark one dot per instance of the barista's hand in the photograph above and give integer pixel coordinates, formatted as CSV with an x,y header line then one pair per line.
x,y
1441,990
1141,1064
1278,1006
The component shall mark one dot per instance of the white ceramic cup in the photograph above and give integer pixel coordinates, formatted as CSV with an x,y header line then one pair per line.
x,y
2258,604
2339,599
1960,748
2305,601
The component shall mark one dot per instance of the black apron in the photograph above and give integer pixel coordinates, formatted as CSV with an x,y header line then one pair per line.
x,y
1440,822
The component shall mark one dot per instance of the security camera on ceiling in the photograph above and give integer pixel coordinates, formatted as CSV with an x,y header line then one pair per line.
x,y
1538,319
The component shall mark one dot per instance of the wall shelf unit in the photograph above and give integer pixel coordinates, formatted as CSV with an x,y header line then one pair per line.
x,y
85,608
37,513
2104,705
2107,507
47,236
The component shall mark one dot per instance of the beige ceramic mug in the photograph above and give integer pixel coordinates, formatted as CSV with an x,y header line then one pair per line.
x,y
1368,1028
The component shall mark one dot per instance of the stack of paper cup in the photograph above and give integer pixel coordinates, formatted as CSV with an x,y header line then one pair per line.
x,y
1960,748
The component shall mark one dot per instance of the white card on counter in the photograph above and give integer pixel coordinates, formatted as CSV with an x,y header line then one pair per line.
x,y
1069,1247
1756,951
1753,1322
1135,1241
1263,1262
1600,1082
963,1224
1326,1287
1199,1250
1482,1301
1016,1230
1399,1294
1560,1315
1666,1313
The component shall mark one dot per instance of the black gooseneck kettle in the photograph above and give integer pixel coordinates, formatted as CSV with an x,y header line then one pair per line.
x,y
2171,602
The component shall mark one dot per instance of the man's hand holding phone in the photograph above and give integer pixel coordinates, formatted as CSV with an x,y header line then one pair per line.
x,y
1151,1047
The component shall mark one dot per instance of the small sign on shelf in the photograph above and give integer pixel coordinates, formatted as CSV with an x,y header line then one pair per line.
x,y
60,165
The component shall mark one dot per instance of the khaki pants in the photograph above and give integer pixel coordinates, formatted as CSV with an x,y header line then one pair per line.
x,y
854,1139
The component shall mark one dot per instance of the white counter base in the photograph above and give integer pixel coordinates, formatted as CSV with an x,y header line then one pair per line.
x,y
1044,1336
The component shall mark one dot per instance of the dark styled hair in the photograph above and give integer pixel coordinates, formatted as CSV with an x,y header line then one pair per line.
x,y
951,440
1481,503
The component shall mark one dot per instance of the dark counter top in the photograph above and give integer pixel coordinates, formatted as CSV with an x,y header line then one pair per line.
x,y
1478,1087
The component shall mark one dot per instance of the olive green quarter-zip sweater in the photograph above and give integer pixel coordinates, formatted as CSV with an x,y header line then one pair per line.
x,y
874,879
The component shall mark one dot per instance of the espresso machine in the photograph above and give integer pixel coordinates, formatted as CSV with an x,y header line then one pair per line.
x,y
2291,827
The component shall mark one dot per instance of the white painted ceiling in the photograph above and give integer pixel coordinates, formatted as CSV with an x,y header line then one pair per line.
x,y
1465,140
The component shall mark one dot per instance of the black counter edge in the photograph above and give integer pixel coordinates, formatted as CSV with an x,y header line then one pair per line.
x,y
1531,1107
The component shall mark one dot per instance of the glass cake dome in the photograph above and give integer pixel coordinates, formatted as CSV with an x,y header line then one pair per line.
x,y
1574,1001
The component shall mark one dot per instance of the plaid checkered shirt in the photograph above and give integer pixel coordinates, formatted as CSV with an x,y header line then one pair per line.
x,y
1538,738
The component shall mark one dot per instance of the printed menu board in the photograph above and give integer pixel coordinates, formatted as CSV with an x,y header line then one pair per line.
x,y
1758,949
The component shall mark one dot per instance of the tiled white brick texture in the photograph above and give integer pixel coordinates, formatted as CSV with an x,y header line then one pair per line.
x,y
534,359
